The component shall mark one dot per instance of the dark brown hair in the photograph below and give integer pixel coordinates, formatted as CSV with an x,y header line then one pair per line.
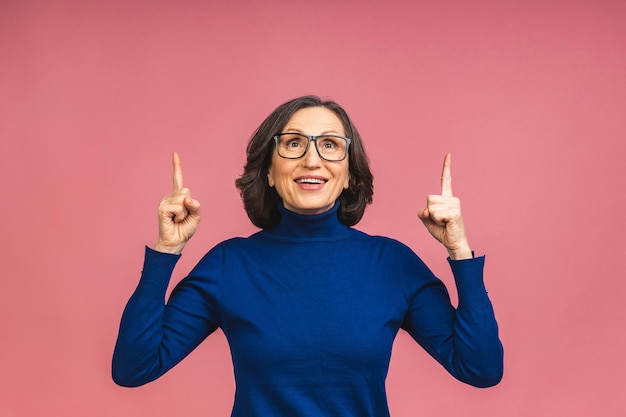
x,y
260,200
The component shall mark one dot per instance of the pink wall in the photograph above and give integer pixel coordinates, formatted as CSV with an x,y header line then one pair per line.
x,y
529,98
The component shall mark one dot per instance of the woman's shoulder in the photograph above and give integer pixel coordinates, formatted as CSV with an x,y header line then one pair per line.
x,y
233,244
218,250
387,244
380,239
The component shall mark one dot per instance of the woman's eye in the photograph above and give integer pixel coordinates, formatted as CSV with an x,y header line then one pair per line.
x,y
329,144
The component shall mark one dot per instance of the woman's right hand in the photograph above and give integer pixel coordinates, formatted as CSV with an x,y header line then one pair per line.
x,y
179,214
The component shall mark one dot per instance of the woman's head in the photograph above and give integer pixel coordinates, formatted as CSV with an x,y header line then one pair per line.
x,y
268,177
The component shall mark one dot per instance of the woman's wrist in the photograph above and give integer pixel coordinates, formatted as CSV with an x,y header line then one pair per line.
x,y
461,253
174,250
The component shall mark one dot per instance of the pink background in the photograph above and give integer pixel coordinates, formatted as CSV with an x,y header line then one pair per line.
x,y
530,98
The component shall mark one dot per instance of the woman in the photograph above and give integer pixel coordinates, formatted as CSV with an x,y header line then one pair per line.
x,y
309,305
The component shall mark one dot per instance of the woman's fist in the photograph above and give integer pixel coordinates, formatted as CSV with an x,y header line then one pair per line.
x,y
179,214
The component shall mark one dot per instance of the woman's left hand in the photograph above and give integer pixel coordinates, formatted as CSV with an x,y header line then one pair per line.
x,y
442,217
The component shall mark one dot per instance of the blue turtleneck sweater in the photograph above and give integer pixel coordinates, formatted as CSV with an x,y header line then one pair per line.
x,y
310,310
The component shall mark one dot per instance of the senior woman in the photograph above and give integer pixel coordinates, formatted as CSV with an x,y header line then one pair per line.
x,y
309,305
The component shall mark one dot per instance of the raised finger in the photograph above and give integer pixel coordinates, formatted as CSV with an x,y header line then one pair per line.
x,y
178,172
446,178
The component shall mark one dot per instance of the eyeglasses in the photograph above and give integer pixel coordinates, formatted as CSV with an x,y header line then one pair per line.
x,y
296,145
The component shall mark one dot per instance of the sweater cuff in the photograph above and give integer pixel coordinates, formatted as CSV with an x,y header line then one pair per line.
x,y
468,275
156,273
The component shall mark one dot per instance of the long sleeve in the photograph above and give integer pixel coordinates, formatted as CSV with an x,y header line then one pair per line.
x,y
310,311
155,336
463,340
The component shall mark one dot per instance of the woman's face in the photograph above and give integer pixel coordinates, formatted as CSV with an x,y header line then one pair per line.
x,y
310,185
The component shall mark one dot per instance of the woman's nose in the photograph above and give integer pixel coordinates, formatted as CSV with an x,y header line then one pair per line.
x,y
312,158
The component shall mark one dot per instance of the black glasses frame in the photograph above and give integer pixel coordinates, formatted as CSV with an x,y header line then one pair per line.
x,y
312,139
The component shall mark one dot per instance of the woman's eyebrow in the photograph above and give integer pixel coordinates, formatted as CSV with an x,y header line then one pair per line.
x,y
326,132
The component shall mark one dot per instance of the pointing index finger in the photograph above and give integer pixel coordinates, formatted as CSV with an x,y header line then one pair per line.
x,y
177,172
446,178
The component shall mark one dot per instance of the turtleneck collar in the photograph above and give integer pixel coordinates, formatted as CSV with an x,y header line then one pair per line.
x,y
299,226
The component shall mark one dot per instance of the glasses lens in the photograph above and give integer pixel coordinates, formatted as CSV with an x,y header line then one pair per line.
x,y
332,148
292,145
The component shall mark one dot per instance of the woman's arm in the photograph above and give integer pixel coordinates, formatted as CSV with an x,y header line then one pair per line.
x,y
154,336
464,340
